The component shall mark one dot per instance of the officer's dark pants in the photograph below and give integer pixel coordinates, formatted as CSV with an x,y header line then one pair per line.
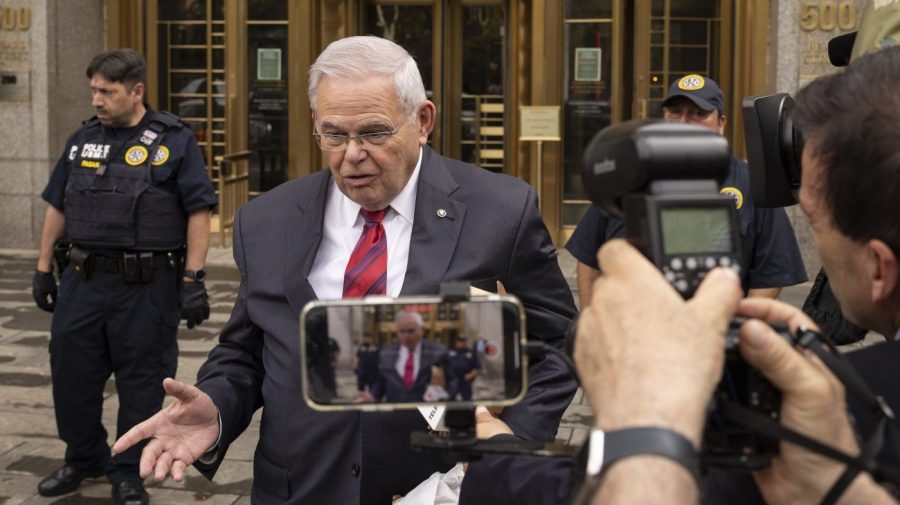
x,y
103,326
365,380
462,387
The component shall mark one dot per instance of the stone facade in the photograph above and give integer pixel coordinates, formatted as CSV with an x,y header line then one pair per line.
x,y
798,53
58,43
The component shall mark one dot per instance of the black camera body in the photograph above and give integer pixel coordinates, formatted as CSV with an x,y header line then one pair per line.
x,y
662,179
774,149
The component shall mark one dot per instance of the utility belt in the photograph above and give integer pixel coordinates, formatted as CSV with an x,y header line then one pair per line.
x,y
134,266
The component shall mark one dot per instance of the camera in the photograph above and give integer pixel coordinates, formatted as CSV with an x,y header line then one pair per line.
x,y
662,179
774,149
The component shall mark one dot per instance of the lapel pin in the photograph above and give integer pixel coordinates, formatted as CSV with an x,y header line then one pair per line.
x,y
441,213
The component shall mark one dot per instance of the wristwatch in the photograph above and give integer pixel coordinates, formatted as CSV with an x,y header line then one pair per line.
x,y
197,275
606,448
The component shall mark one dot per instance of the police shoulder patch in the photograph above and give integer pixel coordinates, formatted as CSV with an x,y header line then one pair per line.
x,y
160,156
734,193
135,155
691,82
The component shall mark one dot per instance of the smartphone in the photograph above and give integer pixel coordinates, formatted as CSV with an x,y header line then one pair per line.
x,y
381,353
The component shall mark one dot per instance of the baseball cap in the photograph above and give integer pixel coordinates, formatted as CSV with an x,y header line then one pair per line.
x,y
703,91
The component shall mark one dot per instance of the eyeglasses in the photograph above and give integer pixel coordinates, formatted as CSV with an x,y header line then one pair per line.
x,y
336,142
689,113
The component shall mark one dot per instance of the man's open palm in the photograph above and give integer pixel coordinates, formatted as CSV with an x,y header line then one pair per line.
x,y
179,434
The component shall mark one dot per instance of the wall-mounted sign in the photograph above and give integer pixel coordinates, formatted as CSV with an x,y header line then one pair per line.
x,y
268,64
539,122
587,63
14,86
15,51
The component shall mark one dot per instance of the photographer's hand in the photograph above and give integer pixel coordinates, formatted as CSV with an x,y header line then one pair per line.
x,y
647,357
813,404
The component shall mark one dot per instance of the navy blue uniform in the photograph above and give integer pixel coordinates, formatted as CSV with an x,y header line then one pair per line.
x,y
771,257
366,366
103,324
459,363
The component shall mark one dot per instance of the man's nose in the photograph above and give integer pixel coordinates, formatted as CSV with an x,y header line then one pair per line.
x,y
96,100
354,152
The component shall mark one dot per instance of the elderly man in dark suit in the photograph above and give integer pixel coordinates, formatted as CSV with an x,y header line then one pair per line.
x,y
405,368
389,217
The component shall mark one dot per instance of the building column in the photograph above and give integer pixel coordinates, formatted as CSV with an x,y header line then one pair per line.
x,y
45,57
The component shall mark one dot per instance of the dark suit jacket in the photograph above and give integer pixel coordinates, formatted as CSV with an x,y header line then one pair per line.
x,y
390,384
492,229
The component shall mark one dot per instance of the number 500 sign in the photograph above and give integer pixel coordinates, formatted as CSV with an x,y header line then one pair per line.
x,y
828,15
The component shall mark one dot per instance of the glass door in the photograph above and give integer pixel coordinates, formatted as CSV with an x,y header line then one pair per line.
x,y
680,37
620,58
459,47
266,30
187,69
592,89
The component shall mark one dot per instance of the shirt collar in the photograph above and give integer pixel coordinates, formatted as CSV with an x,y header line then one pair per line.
x,y
404,204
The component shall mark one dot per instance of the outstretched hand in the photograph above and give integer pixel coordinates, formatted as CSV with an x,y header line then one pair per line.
x,y
179,434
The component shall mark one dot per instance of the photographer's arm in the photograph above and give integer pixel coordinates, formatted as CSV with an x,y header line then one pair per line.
x,y
813,404
763,293
586,276
647,357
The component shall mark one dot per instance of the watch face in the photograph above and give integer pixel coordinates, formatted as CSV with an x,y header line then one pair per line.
x,y
197,275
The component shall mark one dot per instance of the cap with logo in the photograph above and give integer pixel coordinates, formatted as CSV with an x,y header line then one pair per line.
x,y
703,91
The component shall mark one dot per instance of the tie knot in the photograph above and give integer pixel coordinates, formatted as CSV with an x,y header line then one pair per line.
x,y
373,217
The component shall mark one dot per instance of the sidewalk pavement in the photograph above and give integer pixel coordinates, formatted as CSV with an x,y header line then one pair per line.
x,y
30,449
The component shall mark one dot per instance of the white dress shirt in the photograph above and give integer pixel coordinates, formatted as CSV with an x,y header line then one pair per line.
x,y
341,231
400,365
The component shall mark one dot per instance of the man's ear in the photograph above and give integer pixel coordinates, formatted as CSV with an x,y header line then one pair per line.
x,y
884,272
138,91
426,117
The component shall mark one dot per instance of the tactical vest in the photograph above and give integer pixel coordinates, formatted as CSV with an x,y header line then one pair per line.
x,y
112,199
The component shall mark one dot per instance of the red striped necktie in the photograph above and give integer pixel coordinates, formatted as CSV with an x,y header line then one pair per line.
x,y
408,370
366,272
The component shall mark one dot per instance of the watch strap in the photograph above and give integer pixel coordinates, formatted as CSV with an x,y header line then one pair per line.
x,y
197,275
607,448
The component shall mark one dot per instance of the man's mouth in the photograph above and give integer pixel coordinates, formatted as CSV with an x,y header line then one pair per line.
x,y
359,180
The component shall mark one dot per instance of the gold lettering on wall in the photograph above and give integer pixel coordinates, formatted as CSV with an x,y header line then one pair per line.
x,y
15,18
826,15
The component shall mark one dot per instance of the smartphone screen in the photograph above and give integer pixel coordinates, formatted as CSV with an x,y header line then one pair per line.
x,y
397,353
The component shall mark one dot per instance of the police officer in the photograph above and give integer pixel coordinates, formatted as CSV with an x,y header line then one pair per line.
x,y
770,253
365,363
132,197
462,368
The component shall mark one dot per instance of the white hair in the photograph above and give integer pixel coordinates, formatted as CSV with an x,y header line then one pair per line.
x,y
367,55
415,316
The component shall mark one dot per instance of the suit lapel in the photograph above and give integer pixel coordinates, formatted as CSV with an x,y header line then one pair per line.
x,y
436,226
303,234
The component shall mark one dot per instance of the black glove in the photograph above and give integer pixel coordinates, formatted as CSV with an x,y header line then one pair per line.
x,y
194,303
43,285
